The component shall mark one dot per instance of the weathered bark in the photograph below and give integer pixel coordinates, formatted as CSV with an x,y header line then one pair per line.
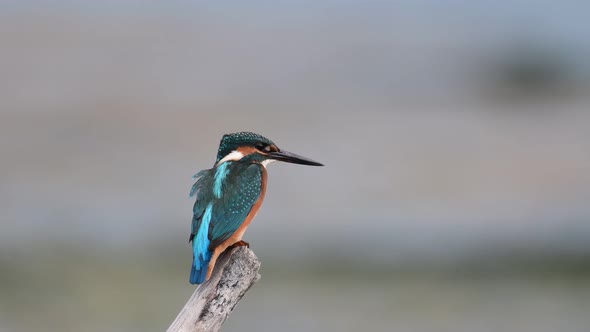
x,y
212,302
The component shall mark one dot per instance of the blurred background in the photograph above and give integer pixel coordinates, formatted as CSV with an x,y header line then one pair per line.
x,y
456,139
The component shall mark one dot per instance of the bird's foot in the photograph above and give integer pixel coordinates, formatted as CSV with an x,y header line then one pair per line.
x,y
240,244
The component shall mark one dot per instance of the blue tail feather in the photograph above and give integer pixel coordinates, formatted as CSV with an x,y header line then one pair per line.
x,y
198,275
199,268
201,252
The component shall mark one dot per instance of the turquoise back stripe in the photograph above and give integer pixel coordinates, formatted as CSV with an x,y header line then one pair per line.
x,y
220,174
201,241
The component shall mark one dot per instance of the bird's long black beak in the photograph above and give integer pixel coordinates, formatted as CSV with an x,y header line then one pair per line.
x,y
292,158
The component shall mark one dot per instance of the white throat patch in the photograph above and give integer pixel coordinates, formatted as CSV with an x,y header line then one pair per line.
x,y
233,156
266,162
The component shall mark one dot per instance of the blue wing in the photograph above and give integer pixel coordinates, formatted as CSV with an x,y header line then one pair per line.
x,y
240,193
221,207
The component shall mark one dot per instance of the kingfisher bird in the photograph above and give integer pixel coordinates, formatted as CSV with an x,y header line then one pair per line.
x,y
229,195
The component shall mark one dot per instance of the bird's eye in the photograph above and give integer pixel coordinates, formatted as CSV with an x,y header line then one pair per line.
x,y
271,148
267,148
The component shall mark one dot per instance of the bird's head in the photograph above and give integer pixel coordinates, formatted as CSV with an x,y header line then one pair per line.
x,y
251,146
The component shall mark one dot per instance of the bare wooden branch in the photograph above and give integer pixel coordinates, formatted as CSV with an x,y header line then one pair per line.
x,y
212,302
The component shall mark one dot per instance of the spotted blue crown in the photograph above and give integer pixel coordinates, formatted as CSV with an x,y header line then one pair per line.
x,y
231,142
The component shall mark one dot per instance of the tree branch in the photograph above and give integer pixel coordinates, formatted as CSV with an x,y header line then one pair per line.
x,y
235,272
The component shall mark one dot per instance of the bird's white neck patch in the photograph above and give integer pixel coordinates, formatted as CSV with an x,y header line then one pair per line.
x,y
266,162
233,156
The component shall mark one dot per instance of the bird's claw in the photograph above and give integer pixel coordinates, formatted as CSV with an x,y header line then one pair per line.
x,y
241,244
